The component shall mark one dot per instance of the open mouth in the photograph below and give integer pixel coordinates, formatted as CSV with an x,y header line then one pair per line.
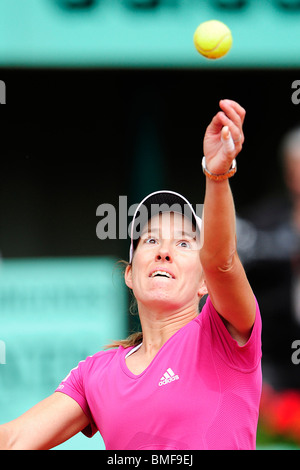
x,y
165,274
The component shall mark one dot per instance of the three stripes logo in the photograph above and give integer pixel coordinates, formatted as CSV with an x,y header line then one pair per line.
x,y
168,377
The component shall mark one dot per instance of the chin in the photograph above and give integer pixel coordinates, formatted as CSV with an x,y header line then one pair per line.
x,y
162,301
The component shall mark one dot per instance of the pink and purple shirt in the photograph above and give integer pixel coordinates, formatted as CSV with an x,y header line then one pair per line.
x,y
201,391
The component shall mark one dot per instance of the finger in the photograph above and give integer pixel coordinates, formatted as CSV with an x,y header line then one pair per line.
x,y
236,131
231,113
237,107
217,122
232,120
216,125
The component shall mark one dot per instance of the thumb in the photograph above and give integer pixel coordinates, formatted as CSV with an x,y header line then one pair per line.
x,y
227,140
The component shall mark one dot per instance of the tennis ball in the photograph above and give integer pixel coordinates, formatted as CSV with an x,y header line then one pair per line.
x,y
213,39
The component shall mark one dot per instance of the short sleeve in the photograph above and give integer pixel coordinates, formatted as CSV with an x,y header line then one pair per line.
x,y
73,386
244,358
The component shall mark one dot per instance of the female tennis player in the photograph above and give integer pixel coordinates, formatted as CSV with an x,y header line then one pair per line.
x,y
190,380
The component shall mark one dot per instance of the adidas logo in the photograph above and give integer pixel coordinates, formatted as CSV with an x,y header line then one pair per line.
x,y
168,377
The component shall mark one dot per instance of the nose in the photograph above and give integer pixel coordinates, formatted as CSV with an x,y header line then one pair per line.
x,y
163,254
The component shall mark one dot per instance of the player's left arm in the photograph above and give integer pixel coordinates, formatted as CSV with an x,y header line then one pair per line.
x,y
226,280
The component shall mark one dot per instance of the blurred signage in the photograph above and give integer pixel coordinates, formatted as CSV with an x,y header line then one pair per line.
x,y
146,33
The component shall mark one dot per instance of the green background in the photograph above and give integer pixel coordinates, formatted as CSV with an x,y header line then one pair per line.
x,y
55,313
114,33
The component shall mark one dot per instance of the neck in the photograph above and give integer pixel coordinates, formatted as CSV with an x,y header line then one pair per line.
x,y
158,327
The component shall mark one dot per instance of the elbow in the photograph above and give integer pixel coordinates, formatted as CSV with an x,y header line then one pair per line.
x,y
218,262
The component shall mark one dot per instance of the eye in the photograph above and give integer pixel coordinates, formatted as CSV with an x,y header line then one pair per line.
x,y
184,244
150,240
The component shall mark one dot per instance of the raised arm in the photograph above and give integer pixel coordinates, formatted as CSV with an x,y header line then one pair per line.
x,y
46,425
226,280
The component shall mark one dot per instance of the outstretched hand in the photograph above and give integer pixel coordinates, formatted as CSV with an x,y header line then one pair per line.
x,y
218,148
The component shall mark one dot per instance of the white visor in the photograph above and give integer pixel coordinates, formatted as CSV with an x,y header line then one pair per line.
x,y
159,202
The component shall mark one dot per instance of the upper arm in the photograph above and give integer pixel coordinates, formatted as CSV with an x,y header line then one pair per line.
x,y
46,425
232,297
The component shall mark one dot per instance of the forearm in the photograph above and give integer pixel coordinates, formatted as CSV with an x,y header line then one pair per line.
x,y
219,231
225,277
4,437
44,426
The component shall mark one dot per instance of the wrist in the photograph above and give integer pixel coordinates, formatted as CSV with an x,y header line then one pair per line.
x,y
222,176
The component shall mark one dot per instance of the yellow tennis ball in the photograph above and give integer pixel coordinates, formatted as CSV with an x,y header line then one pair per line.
x,y
213,39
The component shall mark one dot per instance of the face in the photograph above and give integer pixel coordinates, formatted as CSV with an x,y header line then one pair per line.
x,y
166,271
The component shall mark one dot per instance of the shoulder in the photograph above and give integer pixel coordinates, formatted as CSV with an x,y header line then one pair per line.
x,y
210,315
245,356
96,361
102,357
